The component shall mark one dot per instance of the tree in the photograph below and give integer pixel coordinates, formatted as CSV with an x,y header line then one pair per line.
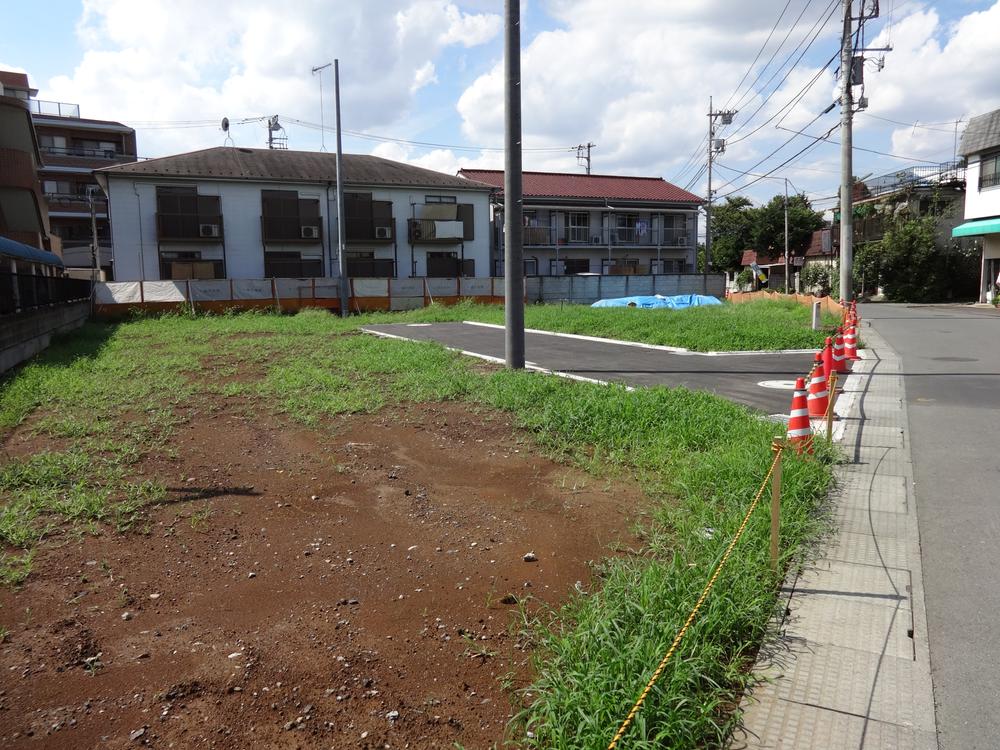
x,y
732,227
769,224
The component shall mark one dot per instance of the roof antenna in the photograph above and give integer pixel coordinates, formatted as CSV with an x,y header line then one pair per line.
x,y
279,142
225,129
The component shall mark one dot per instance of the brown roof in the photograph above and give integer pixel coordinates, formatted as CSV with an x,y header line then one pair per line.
x,y
230,162
16,80
821,243
599,186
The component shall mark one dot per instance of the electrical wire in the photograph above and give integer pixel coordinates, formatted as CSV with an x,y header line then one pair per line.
x,y
787,161
759,53
927,126
868,150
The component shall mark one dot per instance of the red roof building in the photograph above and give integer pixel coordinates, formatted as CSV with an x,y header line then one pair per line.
x,y
608,224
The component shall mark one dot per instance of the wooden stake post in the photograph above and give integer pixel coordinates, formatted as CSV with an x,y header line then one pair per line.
x,y
776,446
831,388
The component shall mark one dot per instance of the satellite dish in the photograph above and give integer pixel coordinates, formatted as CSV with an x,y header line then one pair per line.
x,y
225,124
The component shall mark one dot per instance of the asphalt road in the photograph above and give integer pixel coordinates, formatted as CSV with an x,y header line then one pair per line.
x,y
735,377
951,364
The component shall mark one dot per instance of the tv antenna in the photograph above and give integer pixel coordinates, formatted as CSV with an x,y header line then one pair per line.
x,y
225,129
276,142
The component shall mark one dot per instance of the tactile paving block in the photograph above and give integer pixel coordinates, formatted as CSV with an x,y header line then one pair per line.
x,y
867,583
838,620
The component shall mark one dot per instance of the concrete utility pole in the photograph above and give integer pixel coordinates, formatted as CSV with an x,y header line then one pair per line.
x,y
341,257
512,190
787,263
580,158
715,146
846,160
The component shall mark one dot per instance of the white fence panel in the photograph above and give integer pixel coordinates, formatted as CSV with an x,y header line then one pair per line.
x,y
442,287
371,287
164,291
406,287
475,287
251,289
118,292
294,288
209,290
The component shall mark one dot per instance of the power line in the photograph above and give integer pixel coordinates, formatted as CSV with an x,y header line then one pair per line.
x,y
759,53
770,172
926,126
869,150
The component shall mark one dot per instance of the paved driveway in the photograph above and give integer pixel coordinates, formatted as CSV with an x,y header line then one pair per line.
x,y
951,363
735,376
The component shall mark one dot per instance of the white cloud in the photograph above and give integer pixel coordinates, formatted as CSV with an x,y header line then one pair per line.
x,y
168,60
424,76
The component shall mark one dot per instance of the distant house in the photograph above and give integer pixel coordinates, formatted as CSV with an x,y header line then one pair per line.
x,y
578,223
773,266
981,147
243,213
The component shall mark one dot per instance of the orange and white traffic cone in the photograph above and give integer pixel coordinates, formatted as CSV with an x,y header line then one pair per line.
x,y
800,436
827,357
839,358
851,341
819,396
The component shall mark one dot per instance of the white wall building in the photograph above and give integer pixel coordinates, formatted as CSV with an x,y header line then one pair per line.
x,y
981,147
243,213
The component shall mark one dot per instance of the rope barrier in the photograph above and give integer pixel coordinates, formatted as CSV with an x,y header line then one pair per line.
x,y
694,611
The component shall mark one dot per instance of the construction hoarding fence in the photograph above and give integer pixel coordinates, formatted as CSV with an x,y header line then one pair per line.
x,y
829,304
121,298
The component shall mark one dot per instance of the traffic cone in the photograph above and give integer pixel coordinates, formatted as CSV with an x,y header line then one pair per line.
x,y
818,399
799,430
851,341
839,358
827,357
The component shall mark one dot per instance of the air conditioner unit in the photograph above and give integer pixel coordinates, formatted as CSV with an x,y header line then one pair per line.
x,y
682,239
310,233
383,233
208,230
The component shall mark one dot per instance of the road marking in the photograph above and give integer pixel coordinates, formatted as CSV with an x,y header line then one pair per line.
x,y
780,385
418,325
641,345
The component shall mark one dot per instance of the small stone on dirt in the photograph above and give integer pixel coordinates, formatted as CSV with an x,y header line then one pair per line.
x,y
126,615
137,734
509,599
392,715
252,574
530,557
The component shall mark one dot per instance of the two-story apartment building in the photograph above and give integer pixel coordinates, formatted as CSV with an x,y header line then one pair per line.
x,y
580,223
981,148
71,149
244,213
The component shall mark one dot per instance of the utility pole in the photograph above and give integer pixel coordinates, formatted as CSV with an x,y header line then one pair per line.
x,y
846,158
94,249
715,146
341,257
512,190
580,158
322,125
787,263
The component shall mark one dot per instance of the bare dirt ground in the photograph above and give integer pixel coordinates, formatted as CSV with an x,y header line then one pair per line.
x,y
355,587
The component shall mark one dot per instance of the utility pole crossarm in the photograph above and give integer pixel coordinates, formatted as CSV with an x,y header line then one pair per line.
x,y
715,146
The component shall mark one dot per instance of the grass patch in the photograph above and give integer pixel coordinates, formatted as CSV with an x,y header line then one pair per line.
x,y
752,326
699,457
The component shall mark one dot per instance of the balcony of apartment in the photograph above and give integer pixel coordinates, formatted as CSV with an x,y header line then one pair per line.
x,y
291,229
629,235
53,109
441,223
367,267
368,221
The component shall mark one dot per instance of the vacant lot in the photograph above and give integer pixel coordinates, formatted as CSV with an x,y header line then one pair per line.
x,y
275,532
753,326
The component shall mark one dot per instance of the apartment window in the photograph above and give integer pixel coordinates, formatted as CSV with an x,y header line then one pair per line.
x,y
182,214
625,227
440,199
285,217
52,141
989,171
291,265
531,266
579,226
576,265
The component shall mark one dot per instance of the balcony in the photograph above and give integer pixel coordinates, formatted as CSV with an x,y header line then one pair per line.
x,y
291,229
84,153
180,227
626,236
371,268
53,109
989,180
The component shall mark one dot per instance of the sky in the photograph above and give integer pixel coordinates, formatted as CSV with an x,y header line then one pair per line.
x,y
422,82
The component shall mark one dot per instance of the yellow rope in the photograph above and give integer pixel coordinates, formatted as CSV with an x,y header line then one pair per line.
x,y
694,612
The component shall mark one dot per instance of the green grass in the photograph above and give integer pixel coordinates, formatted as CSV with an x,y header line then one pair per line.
x,y
752,326
114,394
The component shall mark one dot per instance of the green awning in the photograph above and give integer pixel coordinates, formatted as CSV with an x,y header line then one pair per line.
x,y
981,226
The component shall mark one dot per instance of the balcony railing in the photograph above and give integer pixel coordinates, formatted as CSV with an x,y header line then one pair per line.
x,y
57,109
85,153
189,227
291,229
631,236
371,268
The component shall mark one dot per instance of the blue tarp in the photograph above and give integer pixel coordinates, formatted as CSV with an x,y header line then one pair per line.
x,y
677,302
20,251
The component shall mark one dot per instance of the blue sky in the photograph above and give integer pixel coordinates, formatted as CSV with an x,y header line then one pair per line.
x,y
633,76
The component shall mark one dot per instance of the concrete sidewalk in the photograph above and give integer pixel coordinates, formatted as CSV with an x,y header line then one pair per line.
x,y
849,666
